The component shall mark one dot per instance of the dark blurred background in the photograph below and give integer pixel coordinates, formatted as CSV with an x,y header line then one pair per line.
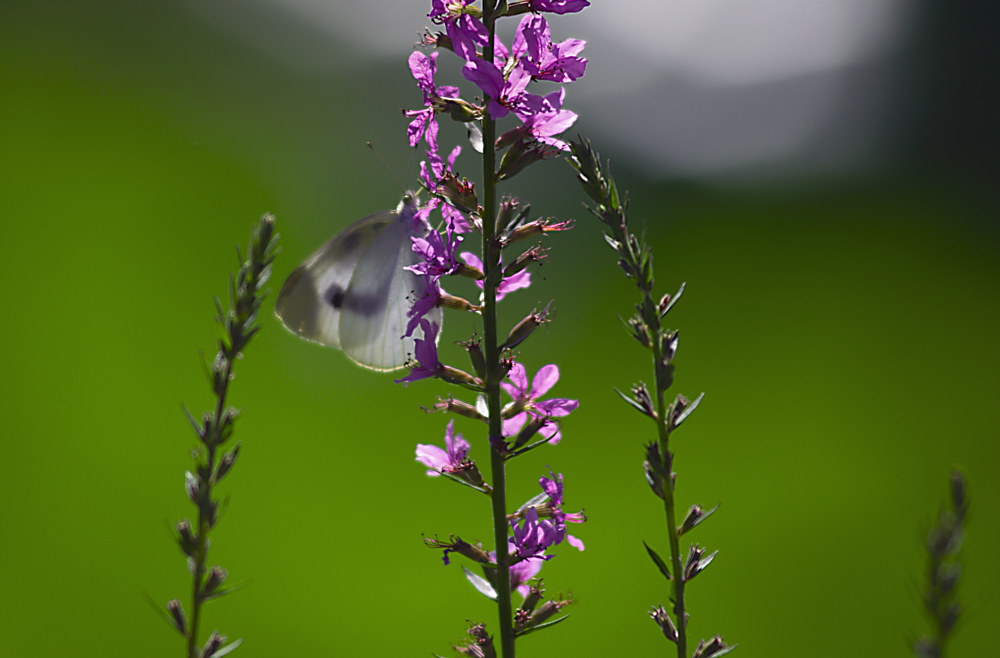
x,y
823,177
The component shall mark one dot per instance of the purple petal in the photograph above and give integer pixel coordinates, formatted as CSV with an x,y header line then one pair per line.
x,y
545,378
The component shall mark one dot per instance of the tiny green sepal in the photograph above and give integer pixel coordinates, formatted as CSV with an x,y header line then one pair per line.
x,y
481,584
658,561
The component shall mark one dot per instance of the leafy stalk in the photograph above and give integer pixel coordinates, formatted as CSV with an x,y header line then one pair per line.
x,y
636,260
237,327
944,543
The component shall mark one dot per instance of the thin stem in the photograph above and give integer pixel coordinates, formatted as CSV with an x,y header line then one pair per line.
x,y
203,521
491,258
668,503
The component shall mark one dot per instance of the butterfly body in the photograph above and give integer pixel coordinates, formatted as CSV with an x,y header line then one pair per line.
x,y
353,293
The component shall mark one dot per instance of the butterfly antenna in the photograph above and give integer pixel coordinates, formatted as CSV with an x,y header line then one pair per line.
x,y
380,159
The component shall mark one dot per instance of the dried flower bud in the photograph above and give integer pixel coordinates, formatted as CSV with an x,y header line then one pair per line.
x,y
524,328
663,620
535,595
460,194
215,642
193,487
458,407
537,227
185,538
481,645
177,614
458,545
712,648
460,377
227,461
472,346
216,576
546,612
533,255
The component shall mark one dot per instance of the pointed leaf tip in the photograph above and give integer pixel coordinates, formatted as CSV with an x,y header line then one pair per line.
x,y
481,584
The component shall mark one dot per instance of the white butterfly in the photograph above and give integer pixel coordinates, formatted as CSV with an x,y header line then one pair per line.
x,y
353,293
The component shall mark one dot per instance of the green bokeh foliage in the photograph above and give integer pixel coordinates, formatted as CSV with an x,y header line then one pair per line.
x,y
844,332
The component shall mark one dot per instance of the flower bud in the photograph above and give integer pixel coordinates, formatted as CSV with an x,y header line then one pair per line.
x,y
458,407
460,194
524,328
472,346
533,255
506,217
453,302
214,643
481,645
537,227
546,612
534,596
457,545
227,461
663,620
529,430
713,647
464,379
216,576
185,538
177,614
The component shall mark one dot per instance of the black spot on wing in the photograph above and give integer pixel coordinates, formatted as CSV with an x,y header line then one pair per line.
x,y
334,296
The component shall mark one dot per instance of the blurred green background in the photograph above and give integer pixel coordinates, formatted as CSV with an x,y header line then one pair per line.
x,y
844,329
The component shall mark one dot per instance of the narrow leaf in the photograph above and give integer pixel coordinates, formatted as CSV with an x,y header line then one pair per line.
x,y
481,584
687,411
222,591
641,409
673,300
658,561
160,611
229,648
541,626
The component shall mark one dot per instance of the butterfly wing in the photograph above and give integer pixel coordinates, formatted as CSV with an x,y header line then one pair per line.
x,y
310,301
373,317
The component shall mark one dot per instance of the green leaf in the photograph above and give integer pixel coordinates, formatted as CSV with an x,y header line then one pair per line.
x,y
660,564
229,648
638,407
481,584
723,652
541,626
673,300
222,591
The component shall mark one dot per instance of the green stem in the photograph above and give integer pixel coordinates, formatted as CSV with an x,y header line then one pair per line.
x,y
491,259
669,507
203,522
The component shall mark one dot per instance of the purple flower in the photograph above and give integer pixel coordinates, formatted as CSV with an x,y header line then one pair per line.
x,y
533,536
545,60
444,461
425,352
550,120
527,398
553,488
505,94
423,123
422,306
559,6
520,280
523,571
465,31
549,430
